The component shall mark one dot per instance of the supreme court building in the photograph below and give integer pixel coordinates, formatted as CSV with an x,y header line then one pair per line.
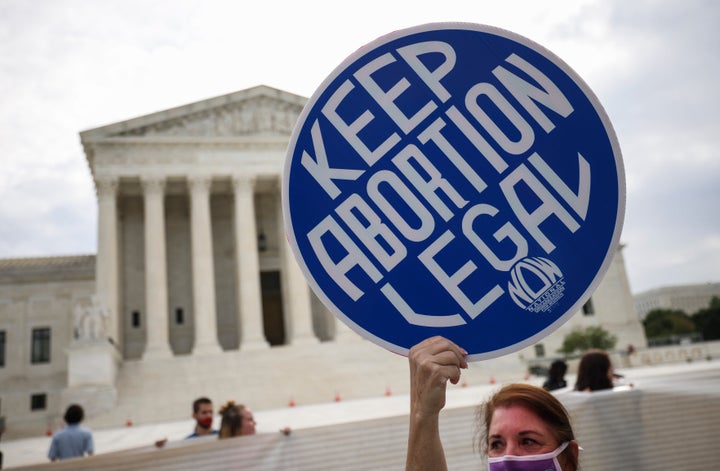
x,y
194,290
191,254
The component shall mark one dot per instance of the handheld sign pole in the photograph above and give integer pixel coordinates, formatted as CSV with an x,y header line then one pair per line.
x,y
454,179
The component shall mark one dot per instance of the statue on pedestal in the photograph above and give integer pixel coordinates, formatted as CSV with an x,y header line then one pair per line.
x,y
90,322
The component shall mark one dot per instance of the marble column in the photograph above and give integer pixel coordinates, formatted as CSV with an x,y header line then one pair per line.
x,y
297,302
106,264
250,315
156,289
206,340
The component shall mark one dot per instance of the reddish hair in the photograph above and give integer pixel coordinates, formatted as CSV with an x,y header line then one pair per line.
x,y
542,403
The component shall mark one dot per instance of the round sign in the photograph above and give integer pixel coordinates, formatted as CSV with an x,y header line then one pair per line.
x,y
454,179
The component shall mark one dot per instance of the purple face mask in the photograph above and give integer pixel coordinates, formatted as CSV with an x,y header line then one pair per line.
x,y
544,462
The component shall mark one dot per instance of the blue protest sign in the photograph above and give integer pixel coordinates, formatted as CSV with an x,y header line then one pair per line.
x,y
454,179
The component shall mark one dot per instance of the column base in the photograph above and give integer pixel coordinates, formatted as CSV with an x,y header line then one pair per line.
x,y
248,345
305,340
207,349
157,353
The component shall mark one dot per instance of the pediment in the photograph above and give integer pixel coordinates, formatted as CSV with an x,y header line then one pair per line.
x,y
258,111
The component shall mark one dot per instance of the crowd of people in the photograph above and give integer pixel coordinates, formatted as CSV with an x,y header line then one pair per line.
x,y
522,426
73,440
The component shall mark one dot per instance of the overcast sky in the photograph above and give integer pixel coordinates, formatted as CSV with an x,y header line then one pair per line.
x,y
67,66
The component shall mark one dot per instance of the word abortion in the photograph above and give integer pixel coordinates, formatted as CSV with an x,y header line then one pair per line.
x,y
385,230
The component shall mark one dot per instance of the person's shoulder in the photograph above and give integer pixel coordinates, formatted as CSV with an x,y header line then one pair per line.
x,y
195,434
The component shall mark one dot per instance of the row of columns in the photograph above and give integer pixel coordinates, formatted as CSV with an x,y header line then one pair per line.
x,y
296,294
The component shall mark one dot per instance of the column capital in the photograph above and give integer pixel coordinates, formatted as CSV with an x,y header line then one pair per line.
x,y
106,186
240,181
153,184
199,182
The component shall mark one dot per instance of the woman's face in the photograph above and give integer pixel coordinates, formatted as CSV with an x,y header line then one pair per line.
x,y
248,423
517,430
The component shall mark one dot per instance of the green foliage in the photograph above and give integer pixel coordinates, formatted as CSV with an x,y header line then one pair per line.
x,y
582,340
707,321
667,322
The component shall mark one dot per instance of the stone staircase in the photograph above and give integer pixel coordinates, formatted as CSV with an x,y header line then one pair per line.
x,y
161,390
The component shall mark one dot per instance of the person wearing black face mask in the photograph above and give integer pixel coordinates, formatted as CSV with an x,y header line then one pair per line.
x,y
203,415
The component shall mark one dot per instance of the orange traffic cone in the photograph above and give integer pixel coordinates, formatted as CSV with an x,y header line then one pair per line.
x,y
337,396
291,403
388,391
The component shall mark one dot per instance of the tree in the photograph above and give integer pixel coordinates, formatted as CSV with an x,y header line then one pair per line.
x,y
582,340
667,322
707,320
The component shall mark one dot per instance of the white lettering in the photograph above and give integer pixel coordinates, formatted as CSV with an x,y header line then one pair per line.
x,y
387,99
370,233
427,223
432,79
452,282
417,318
350,132
544,273
549,206
354,258
527,136
432,133
477,139
527,93
435,181
578,202
320,169
506,232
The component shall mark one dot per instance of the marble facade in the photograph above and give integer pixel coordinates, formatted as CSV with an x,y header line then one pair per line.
x,y
206,177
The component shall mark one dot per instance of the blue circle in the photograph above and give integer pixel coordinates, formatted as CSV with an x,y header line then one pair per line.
x,y
454,179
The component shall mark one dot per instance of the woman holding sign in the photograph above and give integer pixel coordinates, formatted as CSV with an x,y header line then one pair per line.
x,y
524,427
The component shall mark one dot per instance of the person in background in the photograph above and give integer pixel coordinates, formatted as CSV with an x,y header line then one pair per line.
x,y
203,415
523,426
237,420
72,441
595,372
556,376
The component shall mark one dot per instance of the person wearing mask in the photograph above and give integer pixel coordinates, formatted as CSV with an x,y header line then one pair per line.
x,y
522,426
72,441
203,415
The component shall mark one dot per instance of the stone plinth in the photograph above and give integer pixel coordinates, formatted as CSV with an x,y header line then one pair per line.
x,y
92,371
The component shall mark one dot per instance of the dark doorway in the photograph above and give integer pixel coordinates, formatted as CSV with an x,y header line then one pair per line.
x,y
273,318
